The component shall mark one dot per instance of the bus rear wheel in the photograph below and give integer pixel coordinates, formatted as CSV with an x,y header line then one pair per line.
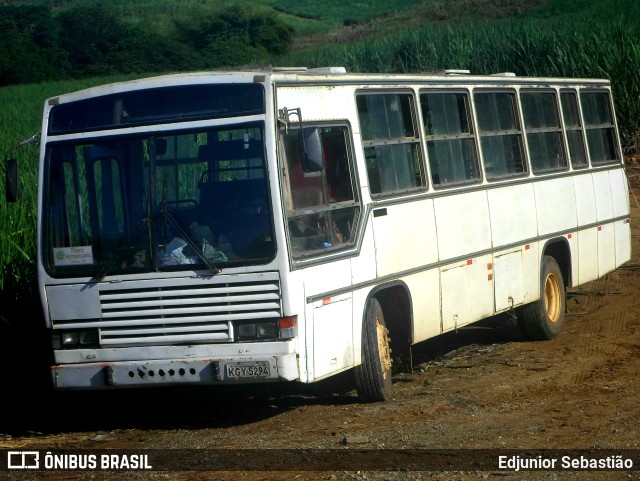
x,y
373,376
544,318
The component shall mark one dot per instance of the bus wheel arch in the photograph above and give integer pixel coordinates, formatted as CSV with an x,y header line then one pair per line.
x,y
544,318
386,325
559,249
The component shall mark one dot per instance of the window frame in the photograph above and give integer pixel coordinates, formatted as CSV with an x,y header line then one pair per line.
x,y
610,126
579,128
420,175
517,131
537,131
472,135
328,205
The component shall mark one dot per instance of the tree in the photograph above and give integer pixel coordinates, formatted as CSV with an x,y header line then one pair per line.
x,y
236,36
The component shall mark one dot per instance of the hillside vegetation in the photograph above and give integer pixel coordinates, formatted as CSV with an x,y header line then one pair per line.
x,y
51,47
50,40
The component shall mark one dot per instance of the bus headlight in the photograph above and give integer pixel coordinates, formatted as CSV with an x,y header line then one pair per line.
x,y
69,339
79,338
283,328
256,331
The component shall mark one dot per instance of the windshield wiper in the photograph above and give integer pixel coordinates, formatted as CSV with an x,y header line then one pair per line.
x,y
168,215
123,252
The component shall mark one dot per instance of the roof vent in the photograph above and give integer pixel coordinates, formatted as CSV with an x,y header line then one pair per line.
x,y
327,70
289,69
452,71
317,70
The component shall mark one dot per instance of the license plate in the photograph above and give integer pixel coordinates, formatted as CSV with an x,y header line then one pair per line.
x,y
242,370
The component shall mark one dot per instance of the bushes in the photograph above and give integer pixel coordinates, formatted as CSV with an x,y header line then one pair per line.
x,y
29,48
91,41
235,37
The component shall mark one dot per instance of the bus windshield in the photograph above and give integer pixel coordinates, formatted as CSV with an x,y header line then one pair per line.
x,y
179,201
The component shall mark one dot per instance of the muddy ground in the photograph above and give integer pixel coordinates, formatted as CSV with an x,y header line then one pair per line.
x,y
479,388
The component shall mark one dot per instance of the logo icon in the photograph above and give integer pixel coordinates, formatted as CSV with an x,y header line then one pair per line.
x,y
23,459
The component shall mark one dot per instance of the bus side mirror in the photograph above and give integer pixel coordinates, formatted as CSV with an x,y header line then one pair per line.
x,y
11,184
313,159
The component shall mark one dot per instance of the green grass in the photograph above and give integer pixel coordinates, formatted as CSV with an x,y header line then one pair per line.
x,y
21,117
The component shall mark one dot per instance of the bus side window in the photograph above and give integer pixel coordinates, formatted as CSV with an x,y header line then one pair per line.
x,y
321,205
544,133
451,146
573,127
391,142
500,134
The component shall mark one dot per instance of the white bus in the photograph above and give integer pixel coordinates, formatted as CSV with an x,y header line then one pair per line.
x,y
292,224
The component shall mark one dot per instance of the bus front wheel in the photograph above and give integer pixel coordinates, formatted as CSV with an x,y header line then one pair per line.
x,y
373,376
544,318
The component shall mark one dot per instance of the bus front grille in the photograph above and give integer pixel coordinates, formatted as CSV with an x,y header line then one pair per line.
x,y
179,312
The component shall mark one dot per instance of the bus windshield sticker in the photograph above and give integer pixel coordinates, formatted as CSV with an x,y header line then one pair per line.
x,y
72,256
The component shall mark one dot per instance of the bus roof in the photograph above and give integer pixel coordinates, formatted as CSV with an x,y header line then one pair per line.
x,y
323,76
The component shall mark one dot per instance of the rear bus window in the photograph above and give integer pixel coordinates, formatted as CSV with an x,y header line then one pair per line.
x,y
598,122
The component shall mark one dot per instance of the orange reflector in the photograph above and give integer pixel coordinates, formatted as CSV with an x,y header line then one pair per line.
x,y
287,322
490,277
469,262
569,236
527,247
489,266
599,228
326,300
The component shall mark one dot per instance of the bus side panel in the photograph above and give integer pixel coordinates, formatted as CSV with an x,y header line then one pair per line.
x,y
620,199
623,242
555,205
587,239
604,214
587,256
463,225
513,219
513,214
362,270
318,102
359,303
606,249
426,304
508,270
619,193
467,291
405,236
332,341
328,320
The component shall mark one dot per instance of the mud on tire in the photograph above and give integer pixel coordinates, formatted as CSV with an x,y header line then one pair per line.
x,y
373,376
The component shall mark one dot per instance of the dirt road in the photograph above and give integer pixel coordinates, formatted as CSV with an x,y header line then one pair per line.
x,y
478,388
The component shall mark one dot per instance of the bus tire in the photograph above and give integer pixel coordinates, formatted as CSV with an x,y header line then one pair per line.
x,y
543,319
373,376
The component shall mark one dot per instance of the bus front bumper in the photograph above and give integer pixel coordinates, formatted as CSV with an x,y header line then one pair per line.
x,y
124,374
